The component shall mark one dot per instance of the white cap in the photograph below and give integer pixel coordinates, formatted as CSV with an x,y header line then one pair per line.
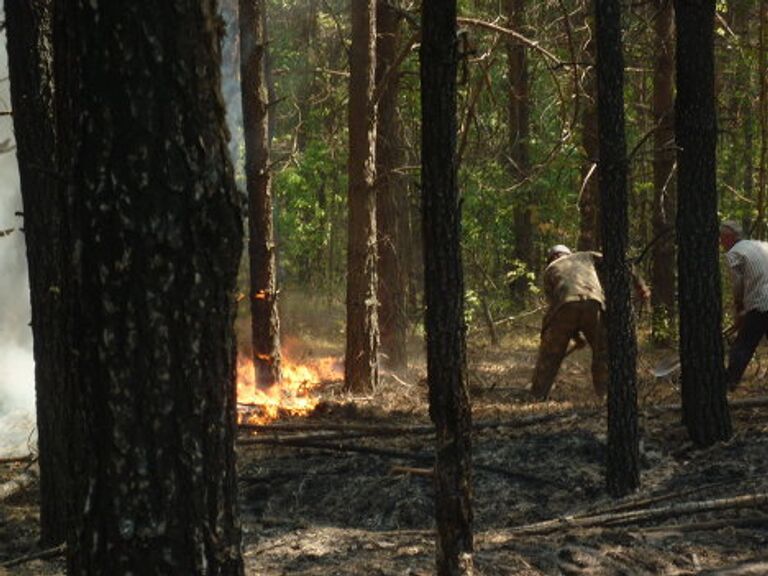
x,y
558,249
733,226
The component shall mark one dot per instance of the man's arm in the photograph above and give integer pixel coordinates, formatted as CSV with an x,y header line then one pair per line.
x,y
642,292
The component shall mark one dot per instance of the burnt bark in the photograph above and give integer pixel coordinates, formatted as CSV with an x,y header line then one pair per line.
x,y
664,181
361,371
705,411
623,467
29,30
444,291
265,321
156,242
391,202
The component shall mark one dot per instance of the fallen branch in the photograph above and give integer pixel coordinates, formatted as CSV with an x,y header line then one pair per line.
x,y
367,430
644,502
738,403
708,526
425,472
416,456
314,444
17,459
41,555
570,522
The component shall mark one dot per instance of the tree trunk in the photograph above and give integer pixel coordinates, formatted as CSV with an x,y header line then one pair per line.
x,y
759,229
444,290
589,198
308,26
29,61
623,473
705,411
361,370
265,322
664,181
390,195
519,136
740,16
157,237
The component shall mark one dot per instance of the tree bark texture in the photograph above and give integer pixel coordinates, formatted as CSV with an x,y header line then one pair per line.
x,y
589,199
390,195
740,17
705,411
664,180
29,30
759,229
157,238
623,467
444,290
519,136
361,369
265,321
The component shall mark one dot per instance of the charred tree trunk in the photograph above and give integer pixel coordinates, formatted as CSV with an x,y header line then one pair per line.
x,y
361,371
705,411
157,230
265,322
589,198
519,136
390,195
444,290
623,474
29,30
664,181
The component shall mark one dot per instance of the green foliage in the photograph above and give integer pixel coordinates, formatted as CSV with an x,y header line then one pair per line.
x,y
310,220
309,64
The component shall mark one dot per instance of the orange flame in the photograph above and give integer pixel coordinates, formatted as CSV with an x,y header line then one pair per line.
x,y
294,396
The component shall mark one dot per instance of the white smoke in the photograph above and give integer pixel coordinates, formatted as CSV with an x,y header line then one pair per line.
x,y
17,390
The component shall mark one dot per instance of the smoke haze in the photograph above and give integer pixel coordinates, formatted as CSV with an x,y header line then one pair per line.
x,y
17,390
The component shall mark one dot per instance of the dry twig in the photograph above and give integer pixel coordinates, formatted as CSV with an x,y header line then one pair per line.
x,y
615,519
40,555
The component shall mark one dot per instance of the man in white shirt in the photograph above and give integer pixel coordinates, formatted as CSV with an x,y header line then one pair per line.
x,y
748,263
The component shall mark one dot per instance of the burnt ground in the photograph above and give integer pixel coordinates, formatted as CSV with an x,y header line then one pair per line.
x,y
325,495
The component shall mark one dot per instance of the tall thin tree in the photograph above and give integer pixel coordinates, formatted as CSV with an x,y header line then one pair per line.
x,y
705,411
623,469
29,30
444,290
664,181
361,369
519,137
759,229
156,243
265,321
589,196
390,194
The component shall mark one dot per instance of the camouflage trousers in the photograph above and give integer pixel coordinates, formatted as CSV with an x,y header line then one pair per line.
x,y
558,330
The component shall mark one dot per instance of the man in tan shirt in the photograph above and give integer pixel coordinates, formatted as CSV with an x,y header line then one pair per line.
x,y
576,306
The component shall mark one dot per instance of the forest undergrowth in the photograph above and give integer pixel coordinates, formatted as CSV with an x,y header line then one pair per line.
x,y
347,489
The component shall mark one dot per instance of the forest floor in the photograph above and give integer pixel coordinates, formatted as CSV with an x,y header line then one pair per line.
x,y
347,489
